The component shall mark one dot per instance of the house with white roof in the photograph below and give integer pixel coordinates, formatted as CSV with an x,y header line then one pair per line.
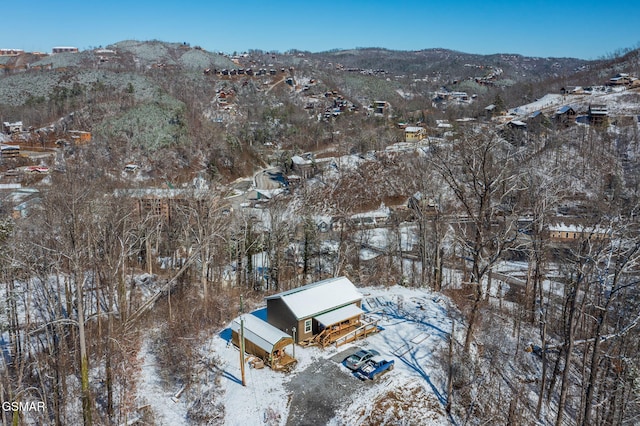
x,y
11,128
564,232
303,166
329,307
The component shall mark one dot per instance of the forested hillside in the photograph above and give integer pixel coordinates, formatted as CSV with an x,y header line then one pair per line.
x,y
152,191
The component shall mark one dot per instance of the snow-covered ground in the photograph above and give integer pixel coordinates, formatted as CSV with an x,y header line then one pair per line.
x,y
415,325
619,101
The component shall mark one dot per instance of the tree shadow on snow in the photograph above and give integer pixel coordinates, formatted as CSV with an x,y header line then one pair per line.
x,y
406,317
415,366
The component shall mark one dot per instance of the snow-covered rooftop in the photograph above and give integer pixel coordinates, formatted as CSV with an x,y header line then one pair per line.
x,y
299,160
339,315
319,297
573,227
260,332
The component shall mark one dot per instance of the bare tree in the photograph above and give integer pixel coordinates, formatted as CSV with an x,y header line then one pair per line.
x,y
479,171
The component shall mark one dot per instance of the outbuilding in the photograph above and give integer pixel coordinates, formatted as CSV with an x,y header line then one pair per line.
x,y
264,341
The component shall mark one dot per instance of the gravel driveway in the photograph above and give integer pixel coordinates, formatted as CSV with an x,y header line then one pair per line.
x,y
320,390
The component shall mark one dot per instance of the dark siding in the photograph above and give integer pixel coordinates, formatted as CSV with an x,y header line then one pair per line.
x,y
280,316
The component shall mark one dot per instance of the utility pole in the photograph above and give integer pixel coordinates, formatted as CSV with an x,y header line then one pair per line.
x,y
244,383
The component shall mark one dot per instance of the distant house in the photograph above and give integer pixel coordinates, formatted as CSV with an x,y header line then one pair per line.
x,y
536,118
598,115
517,124
516,131
565,115
11,128
454,96
11,52
621,79
568,232
9,151
323,223
572,90
334,303
491,110
154,202
371,219
80,137
64,49
303,166
379,107
414,133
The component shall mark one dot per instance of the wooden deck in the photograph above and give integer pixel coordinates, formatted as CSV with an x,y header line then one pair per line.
x,y
344,333
284,363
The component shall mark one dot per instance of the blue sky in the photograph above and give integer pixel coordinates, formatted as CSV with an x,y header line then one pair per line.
x,y
587,29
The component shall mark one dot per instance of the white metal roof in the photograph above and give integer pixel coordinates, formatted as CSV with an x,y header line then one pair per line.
x,y
590,229
339,315
299,160
260,332
413,129
319,297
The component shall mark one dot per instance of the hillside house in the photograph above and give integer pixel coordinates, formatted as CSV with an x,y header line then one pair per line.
x,y
154,202
12,128
621,79
565,115
370,219
11,52
492,110
598,115
64,49
264,341
379,107
9,151
79,137
303,166
461,97
414,133
316,309
572,90
561,232
516,131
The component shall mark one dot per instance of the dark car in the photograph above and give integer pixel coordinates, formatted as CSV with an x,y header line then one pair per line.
x,y
353,362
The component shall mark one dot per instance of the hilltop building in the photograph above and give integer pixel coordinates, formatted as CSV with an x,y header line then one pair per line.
x,y
64,49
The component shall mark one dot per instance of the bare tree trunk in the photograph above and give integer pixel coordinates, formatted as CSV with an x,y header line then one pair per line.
x,y
473,317
450,369
543,378
84,357
568,350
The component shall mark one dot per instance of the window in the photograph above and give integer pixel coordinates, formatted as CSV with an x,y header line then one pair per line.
x,y
307,326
